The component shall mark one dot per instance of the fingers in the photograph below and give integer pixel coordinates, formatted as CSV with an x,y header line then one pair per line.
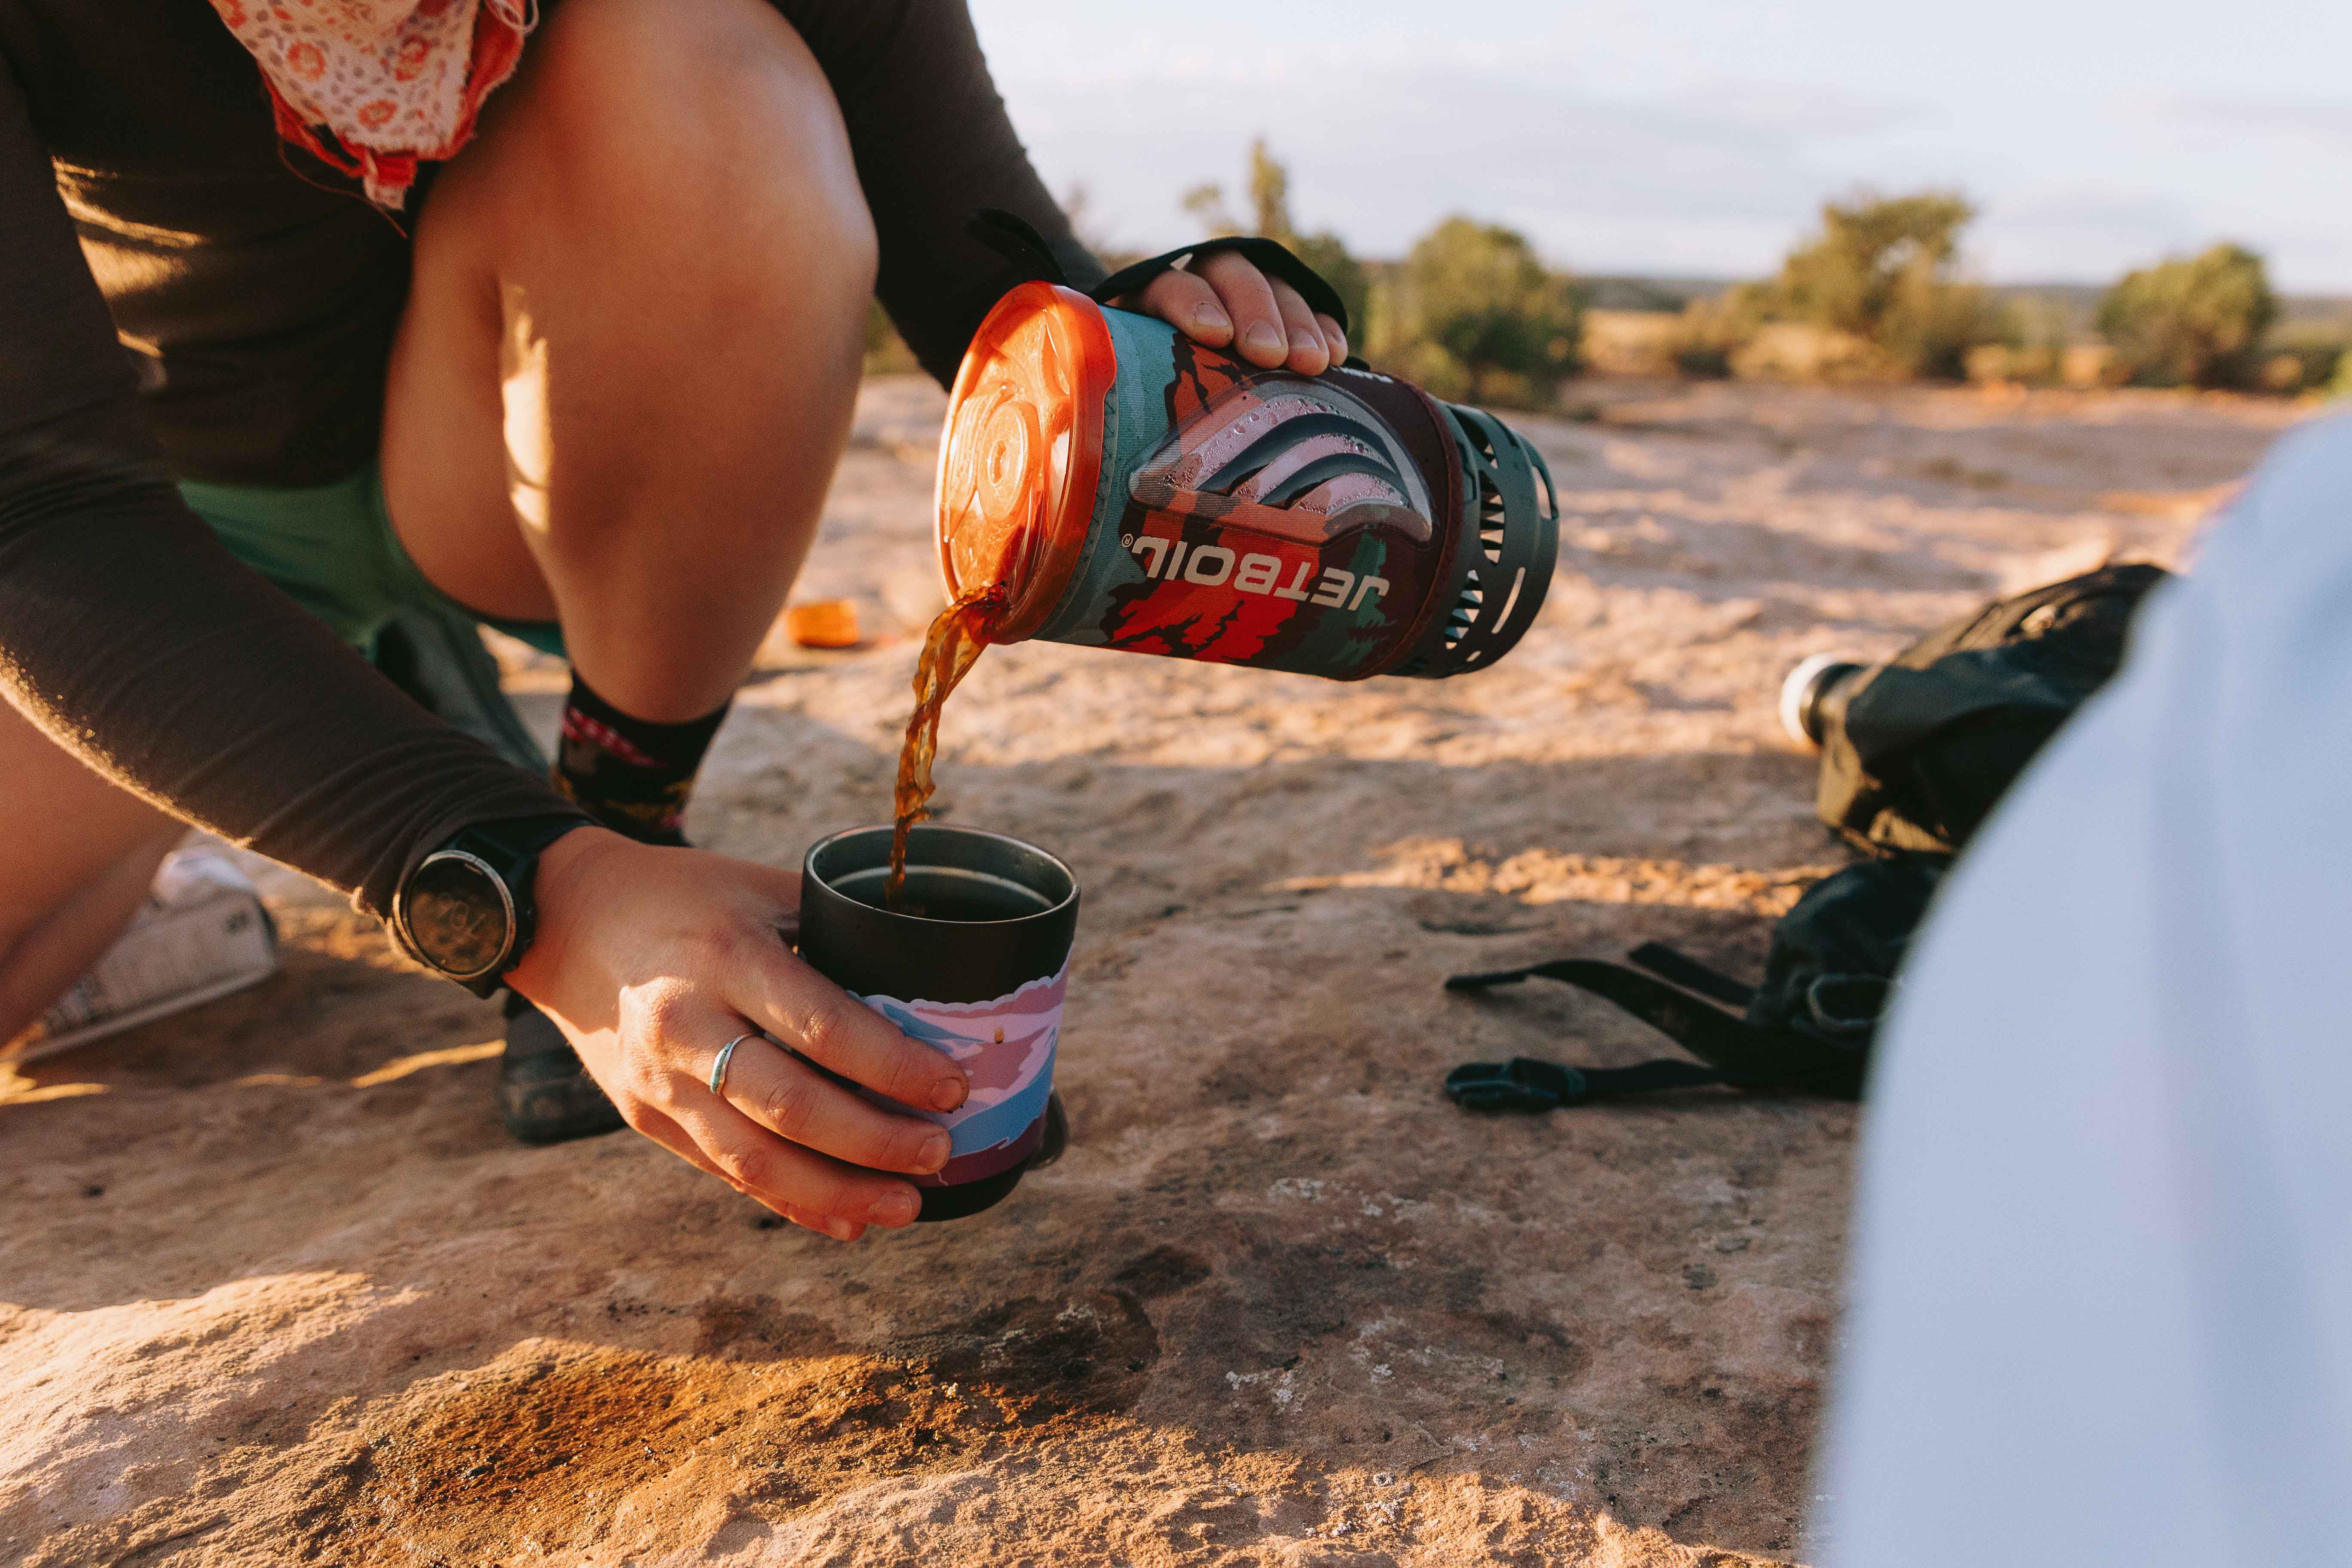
x,y
1310,354
1259,334
1335,337
793,1181
1187,304
666,1131
1228,302
794,1101
816,1018
1272,325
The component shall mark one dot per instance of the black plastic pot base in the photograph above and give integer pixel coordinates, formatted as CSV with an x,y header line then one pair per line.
x,y
968,1198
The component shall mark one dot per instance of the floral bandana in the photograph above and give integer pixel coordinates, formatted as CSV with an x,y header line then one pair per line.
x,y
375,87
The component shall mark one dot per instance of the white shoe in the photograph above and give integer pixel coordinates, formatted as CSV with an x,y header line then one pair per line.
x,y
202,933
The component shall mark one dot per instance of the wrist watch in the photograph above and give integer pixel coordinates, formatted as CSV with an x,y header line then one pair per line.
x,y
466,909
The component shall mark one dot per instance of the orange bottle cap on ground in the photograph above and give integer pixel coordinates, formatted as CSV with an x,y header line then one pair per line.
x,y
822,623
1022,452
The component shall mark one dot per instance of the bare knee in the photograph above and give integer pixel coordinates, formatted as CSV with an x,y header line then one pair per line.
x,y
647,279
696,147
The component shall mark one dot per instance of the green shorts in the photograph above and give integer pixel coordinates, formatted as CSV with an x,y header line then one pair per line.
x,y
332,547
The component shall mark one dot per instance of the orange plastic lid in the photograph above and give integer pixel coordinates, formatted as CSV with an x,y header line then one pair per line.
x,y
1022,450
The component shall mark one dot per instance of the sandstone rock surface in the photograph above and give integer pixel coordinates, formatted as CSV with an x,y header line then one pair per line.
x,y
274,1288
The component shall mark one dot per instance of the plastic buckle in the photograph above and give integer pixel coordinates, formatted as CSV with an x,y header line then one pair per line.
x,y
1522,1083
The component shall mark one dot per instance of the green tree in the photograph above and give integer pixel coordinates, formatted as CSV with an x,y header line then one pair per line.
x,y
1884,269
1481,318
2191,320
1269,186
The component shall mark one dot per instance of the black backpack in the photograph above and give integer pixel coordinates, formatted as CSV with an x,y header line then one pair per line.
x,y
1914,754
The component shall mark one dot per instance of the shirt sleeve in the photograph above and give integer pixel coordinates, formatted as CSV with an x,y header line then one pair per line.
x,y
933,145
133,638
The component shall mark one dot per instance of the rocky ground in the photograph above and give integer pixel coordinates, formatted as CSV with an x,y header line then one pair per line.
x,y
274,1287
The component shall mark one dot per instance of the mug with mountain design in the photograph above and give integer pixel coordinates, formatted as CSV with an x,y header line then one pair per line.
x,y
974,962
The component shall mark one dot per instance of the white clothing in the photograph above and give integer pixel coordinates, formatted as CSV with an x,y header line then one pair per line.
x,y
2102,1285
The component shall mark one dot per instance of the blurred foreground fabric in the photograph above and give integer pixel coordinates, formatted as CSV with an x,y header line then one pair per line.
x,y
2102,1283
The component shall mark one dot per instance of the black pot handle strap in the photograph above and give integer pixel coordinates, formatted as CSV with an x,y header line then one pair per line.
x,y
1012,238
1268,256
1736,1052
1009,236
1527,1083
1669,963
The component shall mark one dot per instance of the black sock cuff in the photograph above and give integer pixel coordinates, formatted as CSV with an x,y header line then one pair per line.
x,y
662,745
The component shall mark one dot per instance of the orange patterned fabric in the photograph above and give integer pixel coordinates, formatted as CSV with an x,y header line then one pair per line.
x,y
375,87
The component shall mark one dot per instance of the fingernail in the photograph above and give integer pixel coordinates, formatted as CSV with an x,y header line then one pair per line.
x,y
1262,339
947,1094
898,1208
1209,319
841,1229
1306,343
934,1153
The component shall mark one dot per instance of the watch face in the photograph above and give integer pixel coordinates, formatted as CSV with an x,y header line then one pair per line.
x,y
460,917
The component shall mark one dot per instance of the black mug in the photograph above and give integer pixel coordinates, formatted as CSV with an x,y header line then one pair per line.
x,y
974,963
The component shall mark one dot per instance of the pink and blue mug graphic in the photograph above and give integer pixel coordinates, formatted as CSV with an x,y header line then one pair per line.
x,y
974,963
1007,1047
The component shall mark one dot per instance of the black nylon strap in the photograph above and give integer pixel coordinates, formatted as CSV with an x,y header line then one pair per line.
x,y
1527,1083
1741,1054
1268,257
1688,972
1011,237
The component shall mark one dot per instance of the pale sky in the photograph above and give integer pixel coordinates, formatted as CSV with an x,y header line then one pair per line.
x,y
1700,136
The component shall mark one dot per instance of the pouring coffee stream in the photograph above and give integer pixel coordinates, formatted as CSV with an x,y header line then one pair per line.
x,y
950,648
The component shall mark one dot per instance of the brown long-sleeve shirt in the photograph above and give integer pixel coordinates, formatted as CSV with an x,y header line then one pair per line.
x,y
226,315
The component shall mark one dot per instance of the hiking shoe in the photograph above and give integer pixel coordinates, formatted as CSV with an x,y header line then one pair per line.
x,y
545,1096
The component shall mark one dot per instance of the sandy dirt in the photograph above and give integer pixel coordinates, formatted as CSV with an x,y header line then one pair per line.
x,y
275,1287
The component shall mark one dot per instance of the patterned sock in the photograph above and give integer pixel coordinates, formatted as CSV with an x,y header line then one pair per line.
x,y
631,775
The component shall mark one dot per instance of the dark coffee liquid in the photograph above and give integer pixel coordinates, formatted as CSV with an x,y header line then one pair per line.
x,y
949,648
945,893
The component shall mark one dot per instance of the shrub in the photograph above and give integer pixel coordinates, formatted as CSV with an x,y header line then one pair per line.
x,y
1882,269
2191,320
2310,359
1476,316
1714,330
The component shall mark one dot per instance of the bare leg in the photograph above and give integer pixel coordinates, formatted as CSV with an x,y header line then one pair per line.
x,y
620,391
67,890
631,349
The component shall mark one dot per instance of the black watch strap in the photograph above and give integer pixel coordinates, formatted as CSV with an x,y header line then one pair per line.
x,y
480,883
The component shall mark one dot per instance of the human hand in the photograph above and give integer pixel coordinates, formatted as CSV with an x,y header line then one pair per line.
x,y
651,959
1228,301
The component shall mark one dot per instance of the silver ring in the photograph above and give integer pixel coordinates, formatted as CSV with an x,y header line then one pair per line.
x,y
726,1055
